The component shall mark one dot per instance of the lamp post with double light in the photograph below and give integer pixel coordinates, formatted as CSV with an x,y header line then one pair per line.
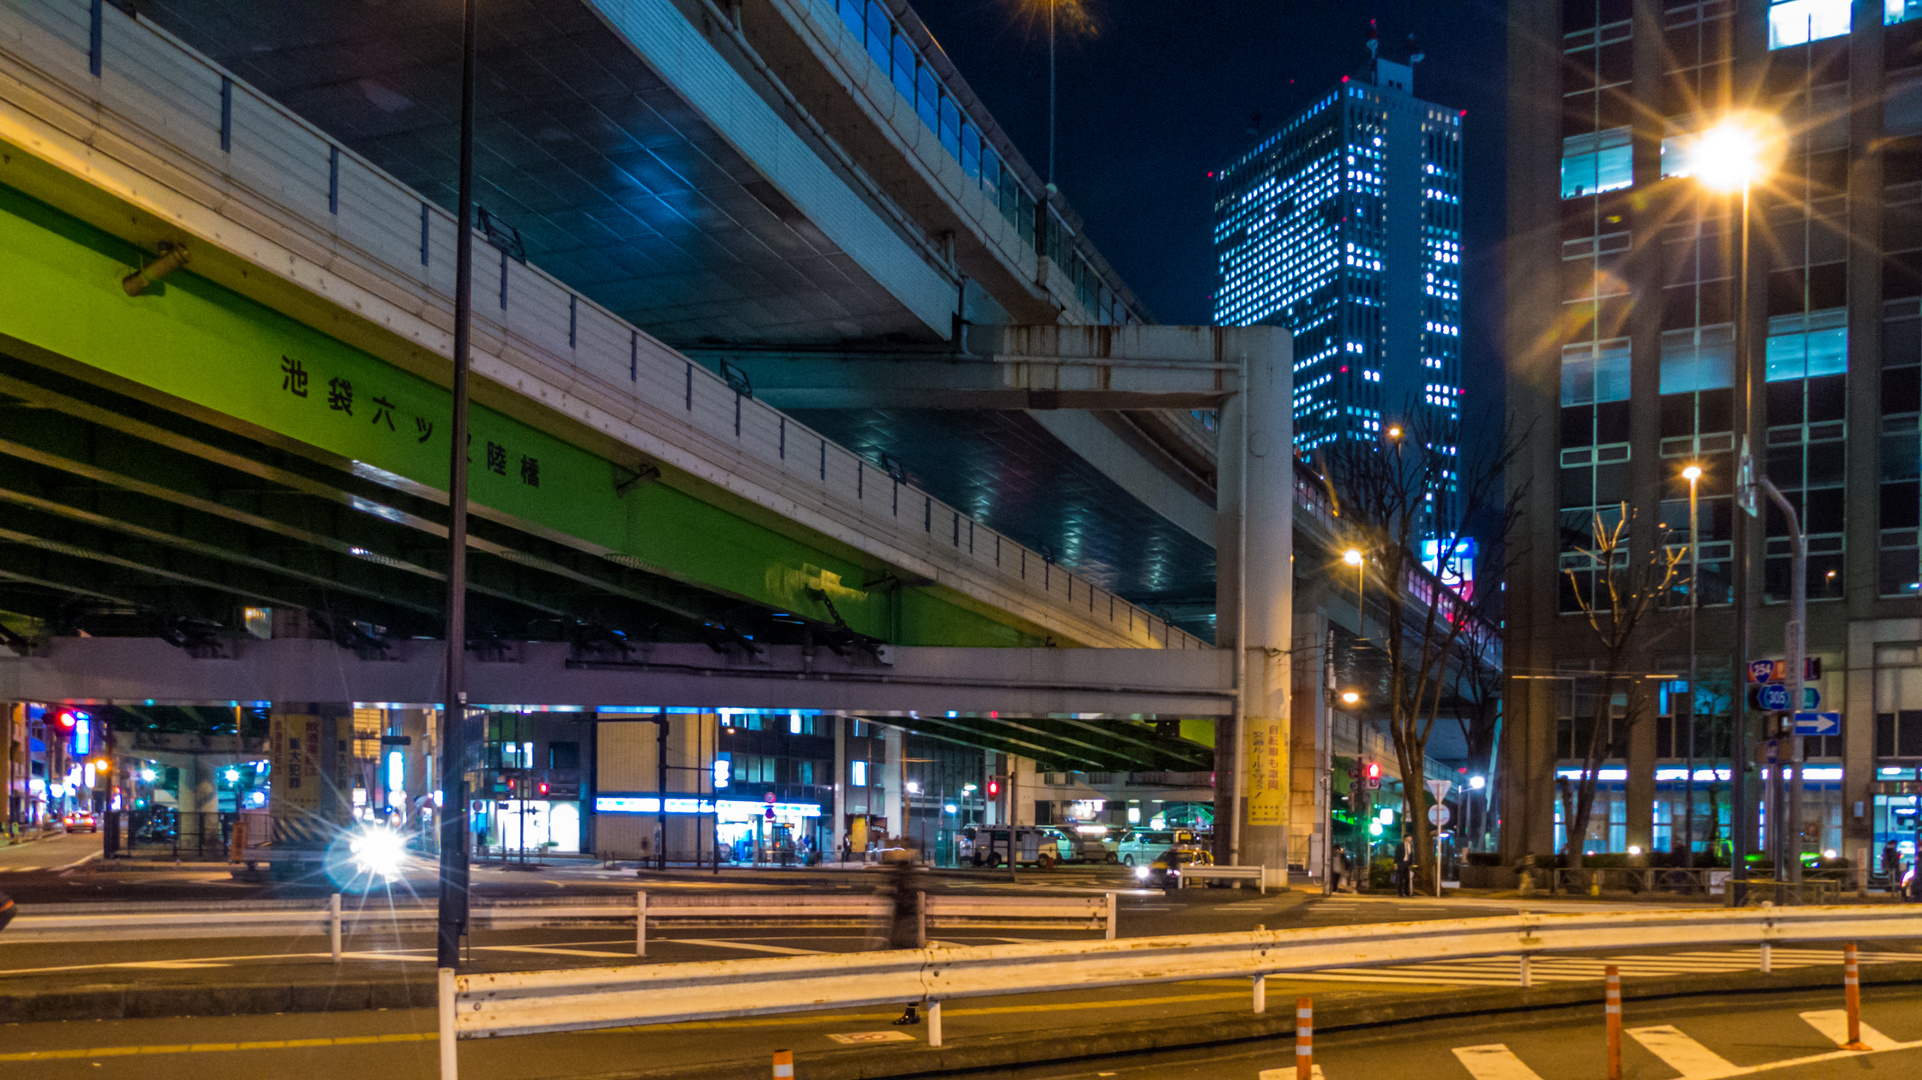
x,y
1730,158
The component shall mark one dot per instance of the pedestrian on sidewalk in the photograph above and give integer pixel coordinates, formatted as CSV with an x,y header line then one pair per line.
x,y
1405,867
1338,866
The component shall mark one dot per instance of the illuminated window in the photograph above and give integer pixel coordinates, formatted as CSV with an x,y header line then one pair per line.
x,y
1798,22
1897,11
1594,372
1805,346
1594,163
1699,358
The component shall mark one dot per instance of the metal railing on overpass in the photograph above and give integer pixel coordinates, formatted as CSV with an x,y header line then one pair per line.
x,y
192,144
525,1003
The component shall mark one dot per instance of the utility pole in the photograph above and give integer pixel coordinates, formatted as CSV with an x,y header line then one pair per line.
x,y
452,917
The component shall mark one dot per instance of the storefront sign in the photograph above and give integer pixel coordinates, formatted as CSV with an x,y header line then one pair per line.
x,y
727,809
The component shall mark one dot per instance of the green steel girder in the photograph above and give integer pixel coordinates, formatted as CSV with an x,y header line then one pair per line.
x,y
190,447
70,434
200,350
1060,745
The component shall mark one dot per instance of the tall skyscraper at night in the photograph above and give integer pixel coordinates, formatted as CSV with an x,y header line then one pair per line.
x,y
1344,225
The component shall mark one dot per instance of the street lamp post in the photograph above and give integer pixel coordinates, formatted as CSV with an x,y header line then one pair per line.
x,y
1730,158
1694,475
452,917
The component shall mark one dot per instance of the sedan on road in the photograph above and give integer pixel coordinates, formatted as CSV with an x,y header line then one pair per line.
x,y
81,821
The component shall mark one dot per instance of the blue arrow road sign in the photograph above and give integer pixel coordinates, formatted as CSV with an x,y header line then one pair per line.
x,y
1818,723
1775,697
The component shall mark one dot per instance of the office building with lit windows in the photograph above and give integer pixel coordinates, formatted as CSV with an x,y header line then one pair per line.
x,y
1640,341
1344,225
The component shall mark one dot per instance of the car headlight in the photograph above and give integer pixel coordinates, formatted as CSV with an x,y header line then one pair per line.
x,y
1141,873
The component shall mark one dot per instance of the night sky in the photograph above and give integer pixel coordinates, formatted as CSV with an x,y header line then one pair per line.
x,y
1167,90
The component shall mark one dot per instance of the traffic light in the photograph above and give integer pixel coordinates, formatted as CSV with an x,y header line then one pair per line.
x,y
543,789
1371,774
994,787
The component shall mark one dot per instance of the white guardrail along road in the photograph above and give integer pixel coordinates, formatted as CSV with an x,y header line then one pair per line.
x,y
288,918
521,1003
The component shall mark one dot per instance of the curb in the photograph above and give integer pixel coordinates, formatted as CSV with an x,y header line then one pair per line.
x,y
212,999
1148,1036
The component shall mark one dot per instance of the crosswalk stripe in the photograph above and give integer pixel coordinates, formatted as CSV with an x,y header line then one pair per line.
x,y
1681,1053
1493,1062
1833,1024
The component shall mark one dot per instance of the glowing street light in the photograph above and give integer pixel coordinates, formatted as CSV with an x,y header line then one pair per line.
x,y
1736,153
1352,556
1349,697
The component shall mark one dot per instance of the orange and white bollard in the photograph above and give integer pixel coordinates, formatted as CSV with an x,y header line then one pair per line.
x,y
784,1065
1304,1038
1852,993
1614,1009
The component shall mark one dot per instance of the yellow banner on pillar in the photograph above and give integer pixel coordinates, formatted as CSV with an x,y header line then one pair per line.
x,y
1267,757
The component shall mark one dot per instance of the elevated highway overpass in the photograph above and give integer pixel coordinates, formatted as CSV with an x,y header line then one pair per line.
x,y
252,448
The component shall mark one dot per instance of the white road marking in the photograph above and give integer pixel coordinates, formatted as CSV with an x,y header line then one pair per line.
x,y
1833,1024
750,946
1277,1074
1681,1053
1493,1061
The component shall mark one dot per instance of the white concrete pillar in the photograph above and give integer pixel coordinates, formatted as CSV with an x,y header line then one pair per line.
x,y
893,778
840,810
1255,597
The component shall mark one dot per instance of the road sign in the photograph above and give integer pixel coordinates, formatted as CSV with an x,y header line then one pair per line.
x,y
770,798
770,813
1818,723
1768,671
1438,815
1811,697
1774,697
1438,788
1774,749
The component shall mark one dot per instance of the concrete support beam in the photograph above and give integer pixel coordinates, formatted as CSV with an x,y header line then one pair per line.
x,y
1255,584
1022,682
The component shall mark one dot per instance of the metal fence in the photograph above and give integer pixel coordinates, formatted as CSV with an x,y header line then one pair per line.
x,y
205,836
522,1003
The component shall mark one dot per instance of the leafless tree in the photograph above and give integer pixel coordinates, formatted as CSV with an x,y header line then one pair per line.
x,y
1408,489
1616,593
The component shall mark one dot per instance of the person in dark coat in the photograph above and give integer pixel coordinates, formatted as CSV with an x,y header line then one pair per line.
x,y
1405,867
906,928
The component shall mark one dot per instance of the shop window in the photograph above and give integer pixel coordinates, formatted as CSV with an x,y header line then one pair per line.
x,y
858,773
1798,22
1602,161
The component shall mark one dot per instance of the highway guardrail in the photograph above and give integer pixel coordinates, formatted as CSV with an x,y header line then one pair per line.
x,y
287,918
524,1003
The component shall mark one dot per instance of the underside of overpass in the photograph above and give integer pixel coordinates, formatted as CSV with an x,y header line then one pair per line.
x,y
611,140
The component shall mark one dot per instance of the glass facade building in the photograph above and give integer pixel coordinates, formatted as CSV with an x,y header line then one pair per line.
x,y
1344,225
1628,324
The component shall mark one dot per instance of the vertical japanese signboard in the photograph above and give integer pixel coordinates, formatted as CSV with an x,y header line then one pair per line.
x,y
1267,789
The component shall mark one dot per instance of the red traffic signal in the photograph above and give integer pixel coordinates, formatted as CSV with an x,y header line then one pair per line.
x,y
66,721
543,787
994,787
1374,770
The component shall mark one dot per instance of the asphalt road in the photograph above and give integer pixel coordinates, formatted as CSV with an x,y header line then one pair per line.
x,y
38,859
1791,1037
